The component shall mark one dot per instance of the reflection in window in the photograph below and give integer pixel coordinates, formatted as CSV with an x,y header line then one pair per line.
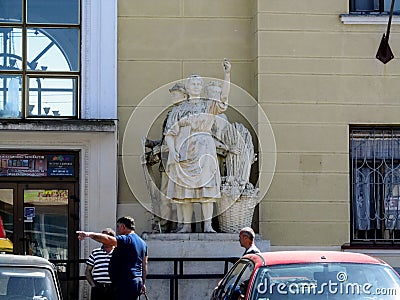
x,y
6,220
10,93
46,97
52,49
46,223
51,53
373,6
11,38
375,170
229,285
10,11
55,12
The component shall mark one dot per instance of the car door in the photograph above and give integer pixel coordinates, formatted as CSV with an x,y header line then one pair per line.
x,y
229,287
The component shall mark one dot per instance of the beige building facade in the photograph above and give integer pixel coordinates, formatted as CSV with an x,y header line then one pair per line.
x,y
322,110
311,67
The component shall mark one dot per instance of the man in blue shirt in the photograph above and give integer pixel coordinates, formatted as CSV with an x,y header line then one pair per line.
x,y
128,265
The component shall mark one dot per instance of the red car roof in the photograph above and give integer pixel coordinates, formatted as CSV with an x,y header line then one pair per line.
x,y
297,257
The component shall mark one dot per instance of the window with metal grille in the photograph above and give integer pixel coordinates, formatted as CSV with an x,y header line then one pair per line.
x,y
375,189
39,58
373,6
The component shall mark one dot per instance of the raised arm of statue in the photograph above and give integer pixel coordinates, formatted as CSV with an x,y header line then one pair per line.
x,y
226,86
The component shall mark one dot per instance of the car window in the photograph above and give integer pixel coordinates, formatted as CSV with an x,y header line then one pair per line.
x,y
26,283
326,281
230,288
243,281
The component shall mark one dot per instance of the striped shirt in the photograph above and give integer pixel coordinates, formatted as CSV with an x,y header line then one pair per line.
x,y
99,260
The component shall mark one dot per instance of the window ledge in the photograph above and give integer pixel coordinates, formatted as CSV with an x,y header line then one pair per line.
x,y
92,125
372,247
368,19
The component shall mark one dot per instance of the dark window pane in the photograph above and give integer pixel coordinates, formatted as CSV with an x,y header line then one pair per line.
x,y
53,49
48,49
10,96
11,41
52,97
373,6
54,12
10,11
388,3
366,5
375,164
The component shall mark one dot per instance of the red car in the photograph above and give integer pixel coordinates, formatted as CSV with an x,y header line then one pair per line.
x,y
309,275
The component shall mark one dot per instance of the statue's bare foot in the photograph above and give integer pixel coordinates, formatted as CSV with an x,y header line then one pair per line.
x,y
209,230
185,229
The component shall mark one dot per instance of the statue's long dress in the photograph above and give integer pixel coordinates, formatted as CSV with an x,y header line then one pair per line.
x,y
197,174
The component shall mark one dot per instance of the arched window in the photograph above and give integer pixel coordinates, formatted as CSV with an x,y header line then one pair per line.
x,y
39,58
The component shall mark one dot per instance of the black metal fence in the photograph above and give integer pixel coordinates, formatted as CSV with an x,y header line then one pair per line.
x,y
174,278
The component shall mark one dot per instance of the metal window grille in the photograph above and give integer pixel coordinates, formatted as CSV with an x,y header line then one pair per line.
x,y
375,185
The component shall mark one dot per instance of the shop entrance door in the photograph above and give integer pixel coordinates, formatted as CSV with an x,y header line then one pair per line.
x,y
41,219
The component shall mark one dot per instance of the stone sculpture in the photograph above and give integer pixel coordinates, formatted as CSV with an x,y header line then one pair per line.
x,y
192,166
204,158
161,204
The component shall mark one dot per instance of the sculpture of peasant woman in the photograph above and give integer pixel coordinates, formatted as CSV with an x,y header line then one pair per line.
x,y
192,166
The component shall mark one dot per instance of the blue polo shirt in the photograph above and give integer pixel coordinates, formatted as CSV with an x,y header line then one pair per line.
x,y
127,259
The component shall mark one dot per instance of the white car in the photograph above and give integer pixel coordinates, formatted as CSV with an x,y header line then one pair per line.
x,y
28,278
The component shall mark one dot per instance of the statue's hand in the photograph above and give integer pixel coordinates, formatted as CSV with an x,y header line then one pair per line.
x,y
173,157
234,150
143,159
227,65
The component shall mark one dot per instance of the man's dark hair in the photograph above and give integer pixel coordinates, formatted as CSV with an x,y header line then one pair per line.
x,y
128,221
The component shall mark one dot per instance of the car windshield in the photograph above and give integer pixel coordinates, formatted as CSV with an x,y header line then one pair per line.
x,y
23,283
326,281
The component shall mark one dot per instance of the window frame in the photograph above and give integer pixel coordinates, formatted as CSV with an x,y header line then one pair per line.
x,y
26,73
383,168
380,10
234,276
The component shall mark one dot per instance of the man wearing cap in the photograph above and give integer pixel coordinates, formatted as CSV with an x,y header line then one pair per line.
x,y
246,239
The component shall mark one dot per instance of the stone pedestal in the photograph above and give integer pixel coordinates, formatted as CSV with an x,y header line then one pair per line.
x,y
192,245
198,244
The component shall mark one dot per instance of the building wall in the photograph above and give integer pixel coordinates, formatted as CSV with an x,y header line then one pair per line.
x,y
312,75
163,41
315,77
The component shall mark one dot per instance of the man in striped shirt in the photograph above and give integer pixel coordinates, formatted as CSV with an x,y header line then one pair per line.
x,y
97,270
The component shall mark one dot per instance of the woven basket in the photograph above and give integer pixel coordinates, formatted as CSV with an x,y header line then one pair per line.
x,y
236,216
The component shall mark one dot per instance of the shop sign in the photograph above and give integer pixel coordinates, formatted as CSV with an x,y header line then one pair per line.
x,y
46,197
36,165
29,214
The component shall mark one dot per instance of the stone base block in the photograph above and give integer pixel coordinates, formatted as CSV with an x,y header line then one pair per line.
x,y
192,245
